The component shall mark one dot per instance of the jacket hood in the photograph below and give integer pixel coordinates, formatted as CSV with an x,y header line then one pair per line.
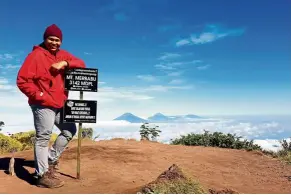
x,y
41,47
36,47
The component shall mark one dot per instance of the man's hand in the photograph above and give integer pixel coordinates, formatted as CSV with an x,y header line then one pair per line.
x,y
59,65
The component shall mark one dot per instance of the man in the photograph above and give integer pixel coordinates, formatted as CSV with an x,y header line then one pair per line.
x,y
41,79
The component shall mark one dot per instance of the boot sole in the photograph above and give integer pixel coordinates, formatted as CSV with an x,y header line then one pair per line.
x,y
51,187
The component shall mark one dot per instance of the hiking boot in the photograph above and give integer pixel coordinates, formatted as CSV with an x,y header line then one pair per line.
x,y
53,167
55,164
48,181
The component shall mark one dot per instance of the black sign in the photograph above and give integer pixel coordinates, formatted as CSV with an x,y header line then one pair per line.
x,y
80,111
81,79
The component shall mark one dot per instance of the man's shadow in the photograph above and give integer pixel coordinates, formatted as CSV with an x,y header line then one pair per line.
x,y
19,166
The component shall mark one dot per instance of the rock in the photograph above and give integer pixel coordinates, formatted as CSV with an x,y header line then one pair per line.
x,y
173,173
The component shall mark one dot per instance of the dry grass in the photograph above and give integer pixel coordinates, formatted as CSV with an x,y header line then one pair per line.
x,y
178,186
286,158
174,181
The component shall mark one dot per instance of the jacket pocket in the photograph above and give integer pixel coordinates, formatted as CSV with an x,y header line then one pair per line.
x,y
38,96
44,99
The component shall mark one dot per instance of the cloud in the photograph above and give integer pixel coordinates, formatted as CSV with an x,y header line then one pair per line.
x,y
175,74
105,93
3,80
6,56
149,78
196,61
123,129
248,130
9,66
164,67
204,38
175,63
183,42
167,56
115,5
170,63
87,53
270,144
112,101
151,89
176,81
204,67
120,16
14,104
101,82
117,8
111,94
171,67
210,34
164,88
5,86
180,63
170,27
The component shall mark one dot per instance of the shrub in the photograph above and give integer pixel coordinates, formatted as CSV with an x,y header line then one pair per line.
x,y
8,144
285,153
1,125
146,131
87,133
27,138
286,147
286,157
216,139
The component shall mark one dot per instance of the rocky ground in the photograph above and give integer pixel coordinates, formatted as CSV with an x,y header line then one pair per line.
x,y
125,166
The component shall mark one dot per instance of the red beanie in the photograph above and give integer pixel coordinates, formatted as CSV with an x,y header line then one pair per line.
x,y
53,30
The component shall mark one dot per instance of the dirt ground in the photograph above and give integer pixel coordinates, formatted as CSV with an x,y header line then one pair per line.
x,y
124,166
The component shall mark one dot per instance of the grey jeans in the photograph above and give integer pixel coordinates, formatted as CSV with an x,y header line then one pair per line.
x,y
44,120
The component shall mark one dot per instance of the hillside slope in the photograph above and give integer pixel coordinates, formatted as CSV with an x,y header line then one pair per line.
x,y
122,166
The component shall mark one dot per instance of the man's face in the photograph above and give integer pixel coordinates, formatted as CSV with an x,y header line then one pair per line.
x,y
52,43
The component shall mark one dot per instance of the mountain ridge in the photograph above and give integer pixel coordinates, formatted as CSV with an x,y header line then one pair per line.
x,y
157,117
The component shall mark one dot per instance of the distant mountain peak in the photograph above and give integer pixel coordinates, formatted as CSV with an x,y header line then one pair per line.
x,y
127,114
159,114
158,117
130,118
192,116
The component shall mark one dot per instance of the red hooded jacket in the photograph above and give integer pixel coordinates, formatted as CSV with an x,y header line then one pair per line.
x,y
36,76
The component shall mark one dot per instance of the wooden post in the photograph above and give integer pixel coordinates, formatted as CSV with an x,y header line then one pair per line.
x,y
79,144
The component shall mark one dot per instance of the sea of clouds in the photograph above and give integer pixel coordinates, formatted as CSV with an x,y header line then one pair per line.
x,y
266,131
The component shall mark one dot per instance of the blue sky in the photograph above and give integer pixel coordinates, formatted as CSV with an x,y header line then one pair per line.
x,y
175,57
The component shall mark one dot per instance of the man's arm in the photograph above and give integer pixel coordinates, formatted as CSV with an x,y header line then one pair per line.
x,y
74,62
